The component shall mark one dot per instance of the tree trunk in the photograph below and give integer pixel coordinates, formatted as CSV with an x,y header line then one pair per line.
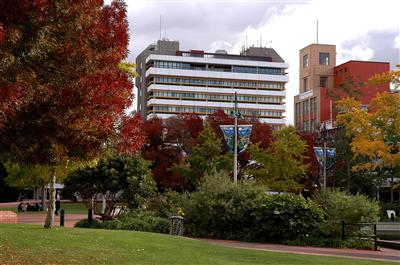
x,y
43,194
348,175
52,200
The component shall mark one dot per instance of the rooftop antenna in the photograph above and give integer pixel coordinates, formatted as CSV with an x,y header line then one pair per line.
x,y
260,41
160,28
159,39
317,31
246,43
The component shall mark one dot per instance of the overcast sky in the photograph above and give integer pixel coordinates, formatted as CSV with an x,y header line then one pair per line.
x,y
361,30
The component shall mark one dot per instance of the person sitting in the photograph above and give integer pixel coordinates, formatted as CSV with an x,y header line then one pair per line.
x,y
20,207
36,207
29,207
23,207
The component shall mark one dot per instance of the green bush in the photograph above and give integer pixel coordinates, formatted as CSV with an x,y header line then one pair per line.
x,y
221,209
340,207
144,223
167,204
287,216
318,241
84,223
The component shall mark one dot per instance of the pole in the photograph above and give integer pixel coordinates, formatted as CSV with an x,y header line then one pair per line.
x,y
235,169
324,164
62,218
343,230
375,238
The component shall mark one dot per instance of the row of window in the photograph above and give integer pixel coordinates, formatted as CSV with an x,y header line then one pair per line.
x,y
202,110
215,97
235,69
307,106
323,59
258,70
323,82
218,83
309,126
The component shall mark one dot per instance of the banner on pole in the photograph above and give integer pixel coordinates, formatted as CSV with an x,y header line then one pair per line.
x,y
244,132
330,155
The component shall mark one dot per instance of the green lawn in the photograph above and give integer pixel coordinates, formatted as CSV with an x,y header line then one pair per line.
x,y
31,244
70,207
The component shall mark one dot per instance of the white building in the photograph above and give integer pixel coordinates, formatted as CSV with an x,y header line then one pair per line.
x,y
172,81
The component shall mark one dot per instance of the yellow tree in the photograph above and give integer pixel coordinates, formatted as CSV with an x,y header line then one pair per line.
x,y
392,76
375,133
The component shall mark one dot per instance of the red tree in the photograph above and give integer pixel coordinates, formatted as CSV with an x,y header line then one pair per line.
x,y
309,180
64,56
261,132
163,155
183,131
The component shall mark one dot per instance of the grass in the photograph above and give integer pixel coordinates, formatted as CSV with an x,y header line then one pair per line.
x,y
31,244
69,207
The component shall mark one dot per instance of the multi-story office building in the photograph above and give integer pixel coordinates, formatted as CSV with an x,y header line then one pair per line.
x,y
172,81
318,74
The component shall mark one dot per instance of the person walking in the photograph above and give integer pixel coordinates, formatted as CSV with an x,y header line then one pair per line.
x,y
58,202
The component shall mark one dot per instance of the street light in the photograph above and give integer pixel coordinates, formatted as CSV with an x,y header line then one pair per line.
x,y
325,138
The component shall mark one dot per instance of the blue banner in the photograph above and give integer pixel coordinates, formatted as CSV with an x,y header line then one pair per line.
x,y
244,132
330,155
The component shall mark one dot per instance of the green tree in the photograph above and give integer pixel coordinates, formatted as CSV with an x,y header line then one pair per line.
x,y
282,163
122,180
206,157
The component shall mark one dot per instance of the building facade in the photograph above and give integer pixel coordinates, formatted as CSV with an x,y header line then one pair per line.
x,y
320,81
172,81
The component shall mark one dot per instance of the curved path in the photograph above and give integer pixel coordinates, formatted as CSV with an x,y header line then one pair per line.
x,y
384,254
39,218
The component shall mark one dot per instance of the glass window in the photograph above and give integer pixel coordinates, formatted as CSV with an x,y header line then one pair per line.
x,y
323,81
305,84
324,58
305,61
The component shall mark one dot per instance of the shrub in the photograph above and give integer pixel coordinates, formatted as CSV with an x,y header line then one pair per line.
x,y
318,241
340,207
167,204
146,223
84,223
221,209
287,216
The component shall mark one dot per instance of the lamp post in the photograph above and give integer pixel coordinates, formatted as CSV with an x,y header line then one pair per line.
x,y
324,139
235,153
232,134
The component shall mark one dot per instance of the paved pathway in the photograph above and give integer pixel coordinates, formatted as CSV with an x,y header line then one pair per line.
x,y
384,254
39,218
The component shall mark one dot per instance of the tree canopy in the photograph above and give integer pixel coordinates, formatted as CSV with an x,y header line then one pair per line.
x,y
122,180
61,76
206,158
282,164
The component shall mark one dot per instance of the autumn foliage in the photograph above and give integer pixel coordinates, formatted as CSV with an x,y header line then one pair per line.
x,y
60,77
63,94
